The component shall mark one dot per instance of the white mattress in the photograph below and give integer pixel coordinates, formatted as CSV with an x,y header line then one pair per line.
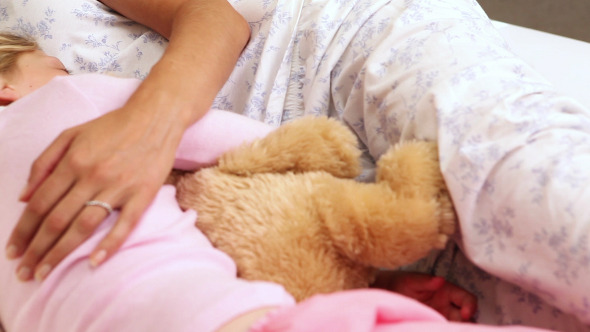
x,y
563,61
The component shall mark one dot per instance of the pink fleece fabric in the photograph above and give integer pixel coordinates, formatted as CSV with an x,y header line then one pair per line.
x,y
368,310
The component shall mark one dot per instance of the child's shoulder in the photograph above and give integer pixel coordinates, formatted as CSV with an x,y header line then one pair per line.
x,y
94,80
104,91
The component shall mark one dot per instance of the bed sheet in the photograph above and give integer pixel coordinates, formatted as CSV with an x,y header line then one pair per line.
x,y
397,70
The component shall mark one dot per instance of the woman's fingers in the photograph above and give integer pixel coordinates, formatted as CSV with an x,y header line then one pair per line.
x,y
128,218
112,159
40,205
86,222
51,227
45,187
45,164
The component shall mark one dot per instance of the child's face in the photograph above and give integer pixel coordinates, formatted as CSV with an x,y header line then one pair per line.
x,y
34,69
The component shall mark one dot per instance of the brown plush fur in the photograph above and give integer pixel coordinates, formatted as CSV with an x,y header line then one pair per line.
x,y
287,209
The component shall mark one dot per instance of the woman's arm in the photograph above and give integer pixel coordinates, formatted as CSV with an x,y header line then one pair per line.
x,y
206,37
124,157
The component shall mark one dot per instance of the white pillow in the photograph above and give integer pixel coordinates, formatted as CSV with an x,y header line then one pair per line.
x,y
85,34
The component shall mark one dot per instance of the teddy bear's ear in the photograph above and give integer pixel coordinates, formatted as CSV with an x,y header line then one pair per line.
x,y
304,145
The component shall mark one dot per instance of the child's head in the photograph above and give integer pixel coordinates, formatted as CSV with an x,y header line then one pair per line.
x,y
24,67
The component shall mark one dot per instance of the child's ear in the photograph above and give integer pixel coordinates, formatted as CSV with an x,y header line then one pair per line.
x,y
7,94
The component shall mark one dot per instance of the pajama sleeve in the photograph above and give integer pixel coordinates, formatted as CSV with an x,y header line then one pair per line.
x,y
216,132
513,151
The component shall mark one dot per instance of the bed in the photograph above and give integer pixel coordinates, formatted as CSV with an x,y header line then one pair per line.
x,y
344,58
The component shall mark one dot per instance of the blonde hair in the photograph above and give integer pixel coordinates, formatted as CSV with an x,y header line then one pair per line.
x,y
11,47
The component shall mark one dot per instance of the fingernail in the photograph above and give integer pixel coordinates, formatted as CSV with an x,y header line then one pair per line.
x,y
98,258
42,272
12,251
24,273
22,193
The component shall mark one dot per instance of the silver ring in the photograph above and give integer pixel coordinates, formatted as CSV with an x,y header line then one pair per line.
x,y
102,204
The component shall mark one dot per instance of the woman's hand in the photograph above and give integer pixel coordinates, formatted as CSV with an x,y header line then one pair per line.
x,y
124,157
119,159
451,301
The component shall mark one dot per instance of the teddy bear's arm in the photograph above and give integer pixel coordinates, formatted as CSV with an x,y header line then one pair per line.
x,y
304,145
215,133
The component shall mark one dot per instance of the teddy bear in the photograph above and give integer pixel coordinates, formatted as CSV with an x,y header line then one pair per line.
x,y
287,208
